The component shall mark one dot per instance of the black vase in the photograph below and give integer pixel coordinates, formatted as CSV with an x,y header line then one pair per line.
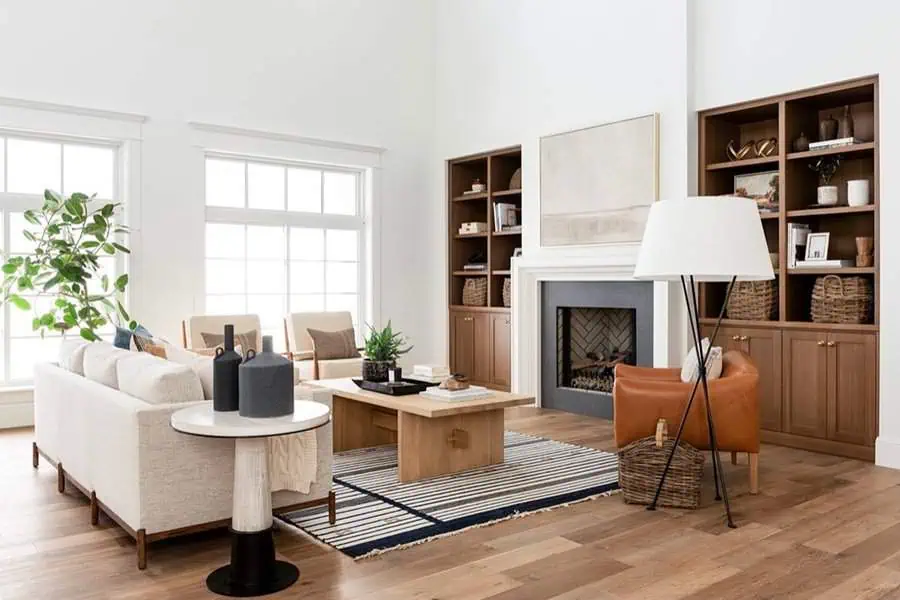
x,y
225,374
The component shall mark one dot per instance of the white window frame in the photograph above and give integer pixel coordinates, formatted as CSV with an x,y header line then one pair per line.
x,y
65,124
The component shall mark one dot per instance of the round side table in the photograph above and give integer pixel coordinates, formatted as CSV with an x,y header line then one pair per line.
x,y
253,570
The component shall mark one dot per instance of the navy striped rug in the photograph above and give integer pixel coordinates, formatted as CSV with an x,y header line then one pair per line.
x,y
376,513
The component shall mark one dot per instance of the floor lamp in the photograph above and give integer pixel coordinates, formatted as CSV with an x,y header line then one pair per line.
x,y
703,239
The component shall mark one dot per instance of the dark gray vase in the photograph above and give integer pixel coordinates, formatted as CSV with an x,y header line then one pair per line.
x,y
266,382
225,374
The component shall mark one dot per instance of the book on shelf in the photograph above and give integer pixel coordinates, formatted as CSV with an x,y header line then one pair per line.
x,y
505,215
837,143
824,264
512,229
796,238
475,267
473,392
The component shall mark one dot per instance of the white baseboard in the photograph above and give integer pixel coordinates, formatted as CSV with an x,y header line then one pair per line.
x,y
16,408
887,452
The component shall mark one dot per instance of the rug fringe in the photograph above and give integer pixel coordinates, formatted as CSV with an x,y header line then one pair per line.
x,y
517,515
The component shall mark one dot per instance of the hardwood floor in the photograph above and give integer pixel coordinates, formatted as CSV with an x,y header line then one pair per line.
x,y
821,527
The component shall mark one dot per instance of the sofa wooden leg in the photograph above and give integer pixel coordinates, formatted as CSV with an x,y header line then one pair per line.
x,y
332,508
733,457
35,455
95,509
141,541
754,472
60,479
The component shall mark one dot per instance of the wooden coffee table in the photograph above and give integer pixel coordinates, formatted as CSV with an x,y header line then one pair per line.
x,y
433,437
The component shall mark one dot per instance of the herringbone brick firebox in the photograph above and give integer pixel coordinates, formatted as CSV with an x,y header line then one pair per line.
x,y
590,342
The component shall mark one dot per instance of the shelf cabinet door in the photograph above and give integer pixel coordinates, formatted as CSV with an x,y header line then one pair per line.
x,y
481,369
500,350
462,343
764,348
805,389
851,387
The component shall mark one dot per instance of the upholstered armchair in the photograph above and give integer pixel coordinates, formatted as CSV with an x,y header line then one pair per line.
x,y
301,349
642,396
193,328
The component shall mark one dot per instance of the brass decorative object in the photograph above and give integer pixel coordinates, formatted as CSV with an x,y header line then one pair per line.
x,y
742,153
766,147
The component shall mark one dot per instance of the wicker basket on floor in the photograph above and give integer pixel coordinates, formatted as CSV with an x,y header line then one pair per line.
x,y
753,300
475,291
841,300
641,464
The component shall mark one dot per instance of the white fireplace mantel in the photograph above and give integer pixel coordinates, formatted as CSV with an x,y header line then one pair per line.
x,y
669,329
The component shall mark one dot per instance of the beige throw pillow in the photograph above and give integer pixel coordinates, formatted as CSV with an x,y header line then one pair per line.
x,y
690,370
331,345
244,340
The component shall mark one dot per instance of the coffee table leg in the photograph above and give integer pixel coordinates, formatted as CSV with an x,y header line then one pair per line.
x,y
253,570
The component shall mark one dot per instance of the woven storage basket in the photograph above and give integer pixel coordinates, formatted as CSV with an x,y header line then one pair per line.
x,y
841,300
475,291
753,300
641,465
507,293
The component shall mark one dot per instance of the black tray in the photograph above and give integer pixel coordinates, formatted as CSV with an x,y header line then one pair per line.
x,y
404,387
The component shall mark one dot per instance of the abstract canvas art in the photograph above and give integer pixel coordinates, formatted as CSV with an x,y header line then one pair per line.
x,y
597,184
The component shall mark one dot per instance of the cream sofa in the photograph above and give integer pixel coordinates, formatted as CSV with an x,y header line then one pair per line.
x,y
121,451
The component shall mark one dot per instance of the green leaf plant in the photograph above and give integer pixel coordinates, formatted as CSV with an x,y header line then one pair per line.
x,y
70,235
385,345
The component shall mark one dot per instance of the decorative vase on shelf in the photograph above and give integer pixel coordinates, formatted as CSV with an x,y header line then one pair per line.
x,y
827,195
266,383
845,127
225,374
801,144
858,192
828,128
377,370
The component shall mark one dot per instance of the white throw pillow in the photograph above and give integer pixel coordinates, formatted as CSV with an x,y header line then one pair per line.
x,y
100,360
71,355
690,370
158,381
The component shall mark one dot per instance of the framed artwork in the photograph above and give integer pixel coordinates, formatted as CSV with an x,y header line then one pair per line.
x,y
817,246
760,187
597,184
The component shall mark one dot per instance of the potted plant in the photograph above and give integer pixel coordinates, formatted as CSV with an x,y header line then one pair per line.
x,y
70,235
383,348
826,194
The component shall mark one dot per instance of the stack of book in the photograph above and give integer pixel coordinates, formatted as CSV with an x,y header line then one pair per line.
x,y
473,392
796,239
837,143
505,216
429,373
824,264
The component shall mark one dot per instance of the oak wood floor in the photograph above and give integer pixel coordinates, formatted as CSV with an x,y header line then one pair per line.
x,y
822,527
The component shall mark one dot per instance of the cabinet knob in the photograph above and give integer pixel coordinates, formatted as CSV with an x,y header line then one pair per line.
x,y
820,343
830,344
735,338
467,318
744,338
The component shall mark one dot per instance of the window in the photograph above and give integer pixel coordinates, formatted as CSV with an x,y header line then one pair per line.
x,y
28,166
283,237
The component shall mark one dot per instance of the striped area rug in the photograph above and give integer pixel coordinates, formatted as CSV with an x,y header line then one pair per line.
x,y
375,513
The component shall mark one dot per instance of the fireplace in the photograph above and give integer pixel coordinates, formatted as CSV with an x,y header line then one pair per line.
x,y
587,329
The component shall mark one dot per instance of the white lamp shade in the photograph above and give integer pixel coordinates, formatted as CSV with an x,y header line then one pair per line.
x,y
712,238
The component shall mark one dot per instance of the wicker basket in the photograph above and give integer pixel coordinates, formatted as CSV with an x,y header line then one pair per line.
x,y
475,291
641,464
753,300
507,293
841,300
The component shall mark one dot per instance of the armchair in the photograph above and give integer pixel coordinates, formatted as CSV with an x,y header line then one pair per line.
x,y
300,346
641,396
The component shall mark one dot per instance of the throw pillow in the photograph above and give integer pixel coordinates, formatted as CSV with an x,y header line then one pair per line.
x,y
690,369
244,340
100,360
330,345
71,355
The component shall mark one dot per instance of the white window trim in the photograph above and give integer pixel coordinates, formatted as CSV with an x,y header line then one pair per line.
x,y
261,146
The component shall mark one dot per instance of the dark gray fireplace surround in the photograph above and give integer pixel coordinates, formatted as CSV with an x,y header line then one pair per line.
x,y
572,328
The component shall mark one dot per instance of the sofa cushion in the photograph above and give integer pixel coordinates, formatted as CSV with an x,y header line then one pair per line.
x,y
158,381
71,355
200,364
100,361
330,345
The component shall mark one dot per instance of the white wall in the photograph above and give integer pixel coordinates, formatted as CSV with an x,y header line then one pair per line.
x,y
340,70
511,71
774,54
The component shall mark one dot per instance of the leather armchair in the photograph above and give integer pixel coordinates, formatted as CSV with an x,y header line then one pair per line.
x,y
641,396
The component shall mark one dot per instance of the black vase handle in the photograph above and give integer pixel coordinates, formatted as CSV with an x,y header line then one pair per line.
x,y
220,351
251,353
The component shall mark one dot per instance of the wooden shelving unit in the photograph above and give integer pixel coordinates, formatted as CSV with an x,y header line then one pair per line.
x,y
479,335
815,378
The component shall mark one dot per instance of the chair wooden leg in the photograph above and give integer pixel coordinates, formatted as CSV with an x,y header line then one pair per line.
x,y
95,509
141,541
332,508
754,472
733,458
35,455
60,479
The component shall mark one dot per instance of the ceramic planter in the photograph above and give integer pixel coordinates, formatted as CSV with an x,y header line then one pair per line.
x,y
827,195
376,370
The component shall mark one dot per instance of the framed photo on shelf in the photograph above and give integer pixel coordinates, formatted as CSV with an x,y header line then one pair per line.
x,y
760,187
817,246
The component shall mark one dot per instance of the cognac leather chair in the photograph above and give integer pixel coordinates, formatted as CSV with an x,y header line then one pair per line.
x,y
643,395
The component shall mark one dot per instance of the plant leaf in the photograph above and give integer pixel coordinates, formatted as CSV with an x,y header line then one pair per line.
x,y
121,282
19,302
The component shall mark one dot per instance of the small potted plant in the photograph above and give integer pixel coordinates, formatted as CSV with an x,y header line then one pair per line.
x,y
826,194
383,348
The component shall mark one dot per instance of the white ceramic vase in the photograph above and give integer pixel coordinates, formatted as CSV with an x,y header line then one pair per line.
x,y
858,192
827,195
